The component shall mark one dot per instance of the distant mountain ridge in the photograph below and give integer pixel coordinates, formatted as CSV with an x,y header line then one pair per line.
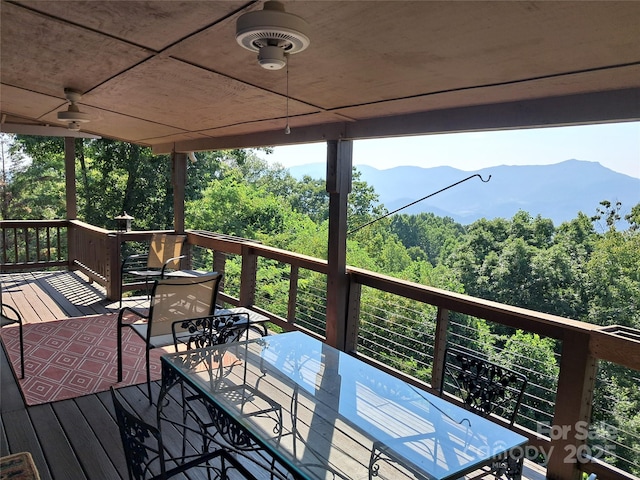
x,y
557,191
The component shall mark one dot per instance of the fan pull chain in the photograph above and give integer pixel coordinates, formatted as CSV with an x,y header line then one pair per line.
x,y
287,130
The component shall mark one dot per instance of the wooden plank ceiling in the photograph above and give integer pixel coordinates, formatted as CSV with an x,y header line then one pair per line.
x,y
170,74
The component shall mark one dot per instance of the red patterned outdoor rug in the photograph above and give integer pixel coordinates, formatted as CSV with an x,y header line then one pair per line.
x,y
76,356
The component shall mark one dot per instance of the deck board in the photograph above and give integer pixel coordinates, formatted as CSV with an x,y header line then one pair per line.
x,y
4,442
55,443
19,293
92,456
101,419
21,437
77,438
49,308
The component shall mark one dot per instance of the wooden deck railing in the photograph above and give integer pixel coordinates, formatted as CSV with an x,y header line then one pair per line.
x,y
97,253
34,244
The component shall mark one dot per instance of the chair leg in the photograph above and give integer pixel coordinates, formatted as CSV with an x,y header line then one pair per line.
x,y
119,335
148,374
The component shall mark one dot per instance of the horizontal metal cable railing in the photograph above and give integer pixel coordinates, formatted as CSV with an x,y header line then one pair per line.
x,y
311,309
401,335
614,437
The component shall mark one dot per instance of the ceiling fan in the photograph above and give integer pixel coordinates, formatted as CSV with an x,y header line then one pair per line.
x,y
43,130
72,116
273,33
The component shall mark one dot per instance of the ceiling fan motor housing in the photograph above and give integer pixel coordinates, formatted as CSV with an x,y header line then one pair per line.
x,y
73,116
273,33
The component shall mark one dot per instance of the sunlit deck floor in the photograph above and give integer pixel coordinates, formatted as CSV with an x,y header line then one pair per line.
x,y
73,439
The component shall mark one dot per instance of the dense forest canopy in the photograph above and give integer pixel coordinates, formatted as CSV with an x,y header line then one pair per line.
x,y
586,269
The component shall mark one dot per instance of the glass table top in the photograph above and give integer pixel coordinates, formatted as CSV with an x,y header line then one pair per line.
x,y
339,414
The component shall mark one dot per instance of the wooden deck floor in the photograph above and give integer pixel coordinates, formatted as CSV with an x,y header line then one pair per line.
x,y
72,439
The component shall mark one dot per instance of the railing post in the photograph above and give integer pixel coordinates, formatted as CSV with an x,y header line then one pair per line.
x,y
219,265
439,346
293,294
573,408
248,276
353,315
72,245
114,284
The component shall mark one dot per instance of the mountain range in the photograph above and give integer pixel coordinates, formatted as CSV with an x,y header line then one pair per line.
x,y
558,191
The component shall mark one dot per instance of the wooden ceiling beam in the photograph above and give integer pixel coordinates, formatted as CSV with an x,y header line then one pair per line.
x,y
586,108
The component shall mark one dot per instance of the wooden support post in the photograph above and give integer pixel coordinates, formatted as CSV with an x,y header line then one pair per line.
x,y
179,180
339,164
248,277
72,245
70,196
114,282
293,294
573,407
353,316
440,344
70,177
219,265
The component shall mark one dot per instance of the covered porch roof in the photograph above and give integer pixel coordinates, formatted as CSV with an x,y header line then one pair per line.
x,y
171,75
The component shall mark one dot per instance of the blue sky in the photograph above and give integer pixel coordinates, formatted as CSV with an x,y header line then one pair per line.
x,y
615,146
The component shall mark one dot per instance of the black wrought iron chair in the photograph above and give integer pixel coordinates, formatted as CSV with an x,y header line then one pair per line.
x,y
10,316
172,299
483,387
164,255
147,459
487,389
211,331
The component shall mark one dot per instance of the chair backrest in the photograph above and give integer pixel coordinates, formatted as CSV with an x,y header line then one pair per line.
x,y
142,443
164,246
483,386
180,298
209,331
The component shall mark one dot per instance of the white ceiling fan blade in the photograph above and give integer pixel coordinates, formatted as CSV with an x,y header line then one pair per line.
x,y
43,130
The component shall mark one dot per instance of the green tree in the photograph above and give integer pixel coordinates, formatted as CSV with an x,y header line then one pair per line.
x,y
613,287
435,236
533,356
608,211
310,197
233,207
634,218
126,177
37,187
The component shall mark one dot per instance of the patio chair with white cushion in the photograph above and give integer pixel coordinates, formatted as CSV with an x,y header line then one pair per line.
x,y
172,299
163,257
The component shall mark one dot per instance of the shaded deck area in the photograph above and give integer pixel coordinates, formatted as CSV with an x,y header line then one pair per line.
x,y
77,438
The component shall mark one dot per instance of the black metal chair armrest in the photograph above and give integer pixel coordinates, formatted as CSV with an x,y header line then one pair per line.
x,y
133,262
136,256
13,318
169,261
16,319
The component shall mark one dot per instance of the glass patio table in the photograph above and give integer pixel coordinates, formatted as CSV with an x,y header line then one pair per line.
x,y
319,413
